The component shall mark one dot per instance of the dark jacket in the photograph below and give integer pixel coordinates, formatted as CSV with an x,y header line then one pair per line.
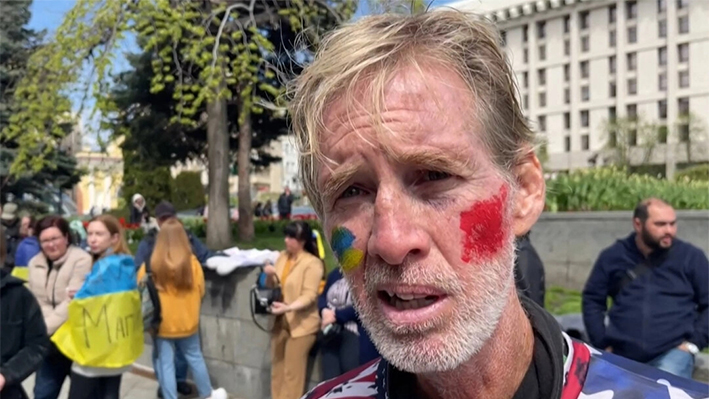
x,y
285,204
656,311
24,340
137,216
12,240
28,248
147,244
529,271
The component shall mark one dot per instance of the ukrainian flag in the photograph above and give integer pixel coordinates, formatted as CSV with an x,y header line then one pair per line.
x,y
105,324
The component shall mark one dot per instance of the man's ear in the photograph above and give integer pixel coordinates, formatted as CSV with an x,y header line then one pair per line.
x,y
530,195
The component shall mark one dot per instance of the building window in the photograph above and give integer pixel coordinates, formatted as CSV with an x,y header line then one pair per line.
x,y
632,34
584,142
567,96
567,73
612,90
662,28
567,47
612,114
525,79
567,120
585,93
682,4
632,86
683,111
525,55
662,56
612,39
632,61
631,10
525,33
542,77
542,52
542,120
684,79
662,134
683,106
661,6
525,101
611,14
612,64
662,109
662,82
541,29
583,16
585,44
584,118
503,38
567,143
683,50
567,23
542,99
683,24
632,111
584,69
633,137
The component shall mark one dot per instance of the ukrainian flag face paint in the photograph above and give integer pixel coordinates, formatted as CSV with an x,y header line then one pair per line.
x,y
342,240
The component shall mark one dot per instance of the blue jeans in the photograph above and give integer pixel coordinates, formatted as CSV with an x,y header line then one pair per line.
x,y
164,361
675,361
180,366
51,375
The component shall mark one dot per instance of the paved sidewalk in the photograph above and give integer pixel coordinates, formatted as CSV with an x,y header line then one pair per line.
x,y
132,387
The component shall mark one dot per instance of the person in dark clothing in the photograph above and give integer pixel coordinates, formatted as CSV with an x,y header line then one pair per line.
x,y
12,225
339,349
139,211
529,271
24,340
163,212
285,204
660,311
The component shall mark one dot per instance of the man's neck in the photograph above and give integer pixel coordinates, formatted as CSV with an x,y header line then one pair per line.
x,y
494,372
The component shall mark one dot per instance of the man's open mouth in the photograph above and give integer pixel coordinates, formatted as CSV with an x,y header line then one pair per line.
x,y
402,301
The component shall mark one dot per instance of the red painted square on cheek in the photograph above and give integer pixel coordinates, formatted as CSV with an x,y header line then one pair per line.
x,y
483,232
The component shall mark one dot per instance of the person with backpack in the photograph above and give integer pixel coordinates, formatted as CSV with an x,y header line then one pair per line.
x,y
108,248
177,275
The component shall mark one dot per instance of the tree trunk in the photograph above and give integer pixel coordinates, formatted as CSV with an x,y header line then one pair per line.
x,y
243,159
219,218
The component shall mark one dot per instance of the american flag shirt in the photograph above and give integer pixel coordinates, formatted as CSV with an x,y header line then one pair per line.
x,y
588,374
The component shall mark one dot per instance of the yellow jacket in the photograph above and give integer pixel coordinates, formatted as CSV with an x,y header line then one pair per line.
x,y
301,284
180,309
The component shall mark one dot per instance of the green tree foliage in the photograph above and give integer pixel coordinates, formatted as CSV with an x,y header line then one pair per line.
x,y
153,184
16,45
612,189
694,173
187,191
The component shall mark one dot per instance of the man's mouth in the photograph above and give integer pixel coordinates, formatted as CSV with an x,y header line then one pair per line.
x,y
407,301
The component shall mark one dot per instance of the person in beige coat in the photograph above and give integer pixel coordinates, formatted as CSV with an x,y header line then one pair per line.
x,y
57,272
299,271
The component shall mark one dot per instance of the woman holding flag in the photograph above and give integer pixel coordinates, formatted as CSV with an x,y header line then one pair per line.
x,y
103,335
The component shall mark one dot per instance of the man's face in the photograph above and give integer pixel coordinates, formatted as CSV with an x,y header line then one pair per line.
x,y
660,228
25,227
420,219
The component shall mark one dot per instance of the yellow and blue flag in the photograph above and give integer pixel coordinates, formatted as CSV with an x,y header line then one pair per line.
x,y
105,324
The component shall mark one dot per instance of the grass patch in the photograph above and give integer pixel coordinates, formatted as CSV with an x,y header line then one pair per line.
x,y
561,301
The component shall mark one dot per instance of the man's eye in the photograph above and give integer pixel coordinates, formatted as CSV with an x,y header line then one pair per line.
x,y
432,175
351,192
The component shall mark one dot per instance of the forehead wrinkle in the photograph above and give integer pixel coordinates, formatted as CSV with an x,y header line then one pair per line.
x,y
433,158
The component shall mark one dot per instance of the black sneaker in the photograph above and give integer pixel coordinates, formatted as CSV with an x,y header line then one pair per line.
x,y
183,388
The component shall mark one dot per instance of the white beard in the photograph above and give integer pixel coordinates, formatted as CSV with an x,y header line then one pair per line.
x,y
479,295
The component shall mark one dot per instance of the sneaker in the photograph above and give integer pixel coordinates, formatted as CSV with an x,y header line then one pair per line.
x,y
184,388
219,393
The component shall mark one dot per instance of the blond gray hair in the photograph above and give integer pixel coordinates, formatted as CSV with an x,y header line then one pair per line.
x,y
371,50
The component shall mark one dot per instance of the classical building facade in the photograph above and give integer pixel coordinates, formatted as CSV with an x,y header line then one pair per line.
x,y
581,63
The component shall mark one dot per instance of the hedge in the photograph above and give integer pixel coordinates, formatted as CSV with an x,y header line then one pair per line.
x,y
611,189
695,173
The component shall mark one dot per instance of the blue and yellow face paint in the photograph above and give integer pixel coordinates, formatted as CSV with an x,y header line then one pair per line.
x,y
342,240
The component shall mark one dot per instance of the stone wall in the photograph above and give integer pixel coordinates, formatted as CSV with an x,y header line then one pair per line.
x,y
569,243
237,352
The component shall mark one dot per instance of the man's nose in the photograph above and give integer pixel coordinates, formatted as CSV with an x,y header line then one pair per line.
x,y
396,229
